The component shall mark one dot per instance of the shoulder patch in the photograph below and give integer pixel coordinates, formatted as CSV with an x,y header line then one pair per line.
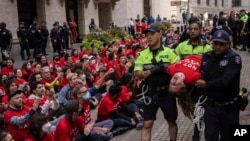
x,y
237,59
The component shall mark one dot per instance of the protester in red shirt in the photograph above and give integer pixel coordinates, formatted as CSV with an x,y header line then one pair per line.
x,y
111,61
138,26
120,68
43,61
10,87
17,116
39,129
55,61
22,84
37,68
144,26
83,51
75,56
72,124
27,70
9,69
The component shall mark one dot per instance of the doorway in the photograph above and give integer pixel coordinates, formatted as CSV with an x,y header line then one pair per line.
x,y
27,11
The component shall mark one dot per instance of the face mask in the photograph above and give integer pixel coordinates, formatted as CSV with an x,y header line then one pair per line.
x,y
86,96
46,127
28,67
92,62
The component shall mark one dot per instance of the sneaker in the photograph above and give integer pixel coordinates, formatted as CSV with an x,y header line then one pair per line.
x,y
139,125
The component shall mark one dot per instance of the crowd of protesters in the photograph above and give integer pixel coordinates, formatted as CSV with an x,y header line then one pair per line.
x,y
52,99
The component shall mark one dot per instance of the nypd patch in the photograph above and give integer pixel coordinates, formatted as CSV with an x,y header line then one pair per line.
x,y
223,63
237,59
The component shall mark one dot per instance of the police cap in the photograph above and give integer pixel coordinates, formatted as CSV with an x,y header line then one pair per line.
x,y
221,36
152,28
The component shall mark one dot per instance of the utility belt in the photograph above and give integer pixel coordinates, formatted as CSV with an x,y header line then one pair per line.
x,y
236,103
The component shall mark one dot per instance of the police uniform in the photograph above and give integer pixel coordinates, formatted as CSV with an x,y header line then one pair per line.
x,y
45,34
36,38
5,40
222,77
22,35
55,36
158,83
186,48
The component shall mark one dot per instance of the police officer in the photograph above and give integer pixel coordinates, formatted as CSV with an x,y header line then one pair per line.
x,y
45,33
22,35
150,66
65,35
36,38
243,35
5,41
221,81
55,36
194,45
222,26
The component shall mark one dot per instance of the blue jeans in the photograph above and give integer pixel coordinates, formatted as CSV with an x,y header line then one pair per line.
x,y
103,124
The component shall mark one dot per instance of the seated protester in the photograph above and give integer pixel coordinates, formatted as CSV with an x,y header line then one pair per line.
x,y
63,80
43,61
52,70
37,76
87,72
27,70
83,51
120,68
65,93
37,68
10,87
22,84
75,56
39,128
37,92
82,94
9,68
51,103
17,116
68,61
46,75
55,61
72,125
112,107
184,73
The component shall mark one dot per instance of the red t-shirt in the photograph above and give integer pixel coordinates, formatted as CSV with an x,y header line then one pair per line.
x,y
190,66
66,131
17,132
75,59
47,137
125,94
31,99
119,71
87,114
107,105
8,71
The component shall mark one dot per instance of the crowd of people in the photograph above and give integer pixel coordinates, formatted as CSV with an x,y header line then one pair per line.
x,y
127,81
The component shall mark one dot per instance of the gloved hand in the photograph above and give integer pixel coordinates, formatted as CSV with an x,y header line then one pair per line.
x,y
157,69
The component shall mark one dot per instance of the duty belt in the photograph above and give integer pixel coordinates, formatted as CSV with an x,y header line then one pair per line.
x,y
214,103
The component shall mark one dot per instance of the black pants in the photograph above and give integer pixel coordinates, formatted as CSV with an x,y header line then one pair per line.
x,y
37,47
56,46
218,122
44,45
24,47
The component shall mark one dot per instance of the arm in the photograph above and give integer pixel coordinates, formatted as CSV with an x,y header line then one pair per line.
x,y
99,83
21,120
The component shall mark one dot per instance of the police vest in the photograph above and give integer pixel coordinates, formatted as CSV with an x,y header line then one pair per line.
x,y
145,61
185,48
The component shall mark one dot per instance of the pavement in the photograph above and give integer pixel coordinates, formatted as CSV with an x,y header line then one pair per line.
x,y
160,128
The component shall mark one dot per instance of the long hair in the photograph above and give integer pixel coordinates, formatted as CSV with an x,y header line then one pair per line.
x,y
36,122
186,103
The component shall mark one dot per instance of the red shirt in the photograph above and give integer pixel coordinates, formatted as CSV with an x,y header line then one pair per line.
x,y
75,59
55,63
31,99
47,137
66,131
107,105
111,64
125,94
87,114
8,71
20,82
144,27
138,27
81,53
119,71
17,132
190,66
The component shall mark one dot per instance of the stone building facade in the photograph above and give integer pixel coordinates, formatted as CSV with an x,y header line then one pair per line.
x,y
81,11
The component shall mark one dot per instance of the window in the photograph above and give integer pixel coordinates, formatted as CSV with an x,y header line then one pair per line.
x,y
236,3
207,2
222,3
215,2
198,1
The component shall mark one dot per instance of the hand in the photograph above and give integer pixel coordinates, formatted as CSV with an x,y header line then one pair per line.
x,y
200,83
94,101
88,128
36,103
133,122
105,130
138,116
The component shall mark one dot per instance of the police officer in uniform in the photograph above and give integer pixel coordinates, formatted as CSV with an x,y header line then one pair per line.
x,y
36,38
55,36
45,33
5,41
65,35
221,81
150,66
22,35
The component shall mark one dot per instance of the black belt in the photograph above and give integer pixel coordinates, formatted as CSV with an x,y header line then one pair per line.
x,y
215,103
